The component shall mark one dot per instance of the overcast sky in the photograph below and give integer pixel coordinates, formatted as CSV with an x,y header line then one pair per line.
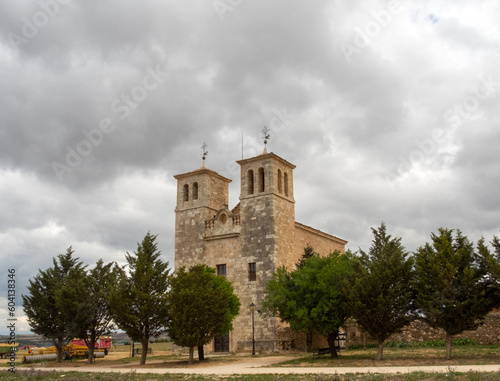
x,y
389,110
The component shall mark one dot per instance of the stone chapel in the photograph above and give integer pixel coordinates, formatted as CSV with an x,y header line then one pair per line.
x,y
247,243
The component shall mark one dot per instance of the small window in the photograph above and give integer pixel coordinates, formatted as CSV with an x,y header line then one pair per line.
x,y
221,270
280,181
252,271
286,184
195,191
262,177
186,192
250,182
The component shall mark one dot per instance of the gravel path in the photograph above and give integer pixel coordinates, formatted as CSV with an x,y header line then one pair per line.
x,y
263,365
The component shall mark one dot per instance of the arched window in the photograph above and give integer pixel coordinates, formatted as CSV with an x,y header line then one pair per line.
x,y
250,181
262,185
195,191
186,192
286,184
280,181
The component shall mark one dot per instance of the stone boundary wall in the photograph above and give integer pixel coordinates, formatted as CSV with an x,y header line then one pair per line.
x,y
418,331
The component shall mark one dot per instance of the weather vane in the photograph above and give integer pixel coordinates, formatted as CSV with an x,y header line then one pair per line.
x,y
265,135
204,152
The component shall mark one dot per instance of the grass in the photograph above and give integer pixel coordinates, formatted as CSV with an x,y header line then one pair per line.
x,y
409,356
76,376
394,355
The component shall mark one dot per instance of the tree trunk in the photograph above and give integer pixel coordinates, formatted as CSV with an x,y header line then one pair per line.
x,y
59,349
448,346
201,354
380,350
331,344
191,355
90,360
90,343
144,355
309,340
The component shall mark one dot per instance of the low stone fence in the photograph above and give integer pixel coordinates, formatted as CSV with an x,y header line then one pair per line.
x,y
418,331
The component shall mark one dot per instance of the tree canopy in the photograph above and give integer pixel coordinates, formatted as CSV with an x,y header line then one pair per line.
x,y
139,303
85,302
312,297
451,289
202,306
46,310
381,293
308,253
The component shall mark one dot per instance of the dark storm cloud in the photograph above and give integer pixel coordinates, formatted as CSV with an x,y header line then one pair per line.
x,y
102,102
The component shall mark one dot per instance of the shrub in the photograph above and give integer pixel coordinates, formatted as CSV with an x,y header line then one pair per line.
x,y
397,344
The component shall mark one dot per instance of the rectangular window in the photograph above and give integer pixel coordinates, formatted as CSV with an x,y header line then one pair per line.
x,y
252,272
221,270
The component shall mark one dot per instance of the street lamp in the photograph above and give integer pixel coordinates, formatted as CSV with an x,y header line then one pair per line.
x,y
252,308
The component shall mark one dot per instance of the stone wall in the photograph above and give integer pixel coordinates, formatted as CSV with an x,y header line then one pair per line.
x,y
321,242
418,331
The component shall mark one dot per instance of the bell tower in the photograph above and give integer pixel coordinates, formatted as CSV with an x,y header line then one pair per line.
x,y
200,195
267,210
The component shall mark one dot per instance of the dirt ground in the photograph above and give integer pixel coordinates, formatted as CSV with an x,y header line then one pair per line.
x,y
119,361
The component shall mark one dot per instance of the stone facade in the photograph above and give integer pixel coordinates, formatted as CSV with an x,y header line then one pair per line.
x,y
247,243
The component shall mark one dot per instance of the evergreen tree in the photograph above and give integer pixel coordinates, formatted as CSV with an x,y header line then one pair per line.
x,y
43,304
312,297
308,253
451,293
491,261
381,293
87,306
202,306
490,264
139,303
495,260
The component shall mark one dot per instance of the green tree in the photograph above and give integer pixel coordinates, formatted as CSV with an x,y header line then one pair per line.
x,y
381,293
491,268
308,253
312,297
139,303
451,292
491,261
495,260
87,306
202,306
43,303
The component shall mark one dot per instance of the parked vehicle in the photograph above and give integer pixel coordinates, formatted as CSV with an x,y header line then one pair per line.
x,y
69,352
102,343
5,350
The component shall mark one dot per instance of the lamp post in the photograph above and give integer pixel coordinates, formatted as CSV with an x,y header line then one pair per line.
x,y
252,308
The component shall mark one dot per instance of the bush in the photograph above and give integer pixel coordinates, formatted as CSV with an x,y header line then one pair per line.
x,y
429,344
464,341
361,346
397,344
355,346
421,344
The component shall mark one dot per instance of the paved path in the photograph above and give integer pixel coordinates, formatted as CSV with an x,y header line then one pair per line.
x,y
263,366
